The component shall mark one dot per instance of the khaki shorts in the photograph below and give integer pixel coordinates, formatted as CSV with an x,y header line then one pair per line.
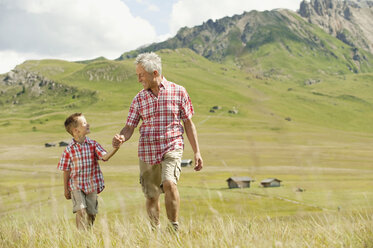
x,y
81,200
153,176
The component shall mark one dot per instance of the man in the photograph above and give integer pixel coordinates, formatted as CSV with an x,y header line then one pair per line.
x,y
161,106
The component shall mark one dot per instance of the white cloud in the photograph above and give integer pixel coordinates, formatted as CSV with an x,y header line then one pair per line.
x,y
69,29
194,12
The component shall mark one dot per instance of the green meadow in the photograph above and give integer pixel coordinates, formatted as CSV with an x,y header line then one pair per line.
x,y
317,138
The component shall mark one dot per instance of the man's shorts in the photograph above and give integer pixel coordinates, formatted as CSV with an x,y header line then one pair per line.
x,y
153,176
81,200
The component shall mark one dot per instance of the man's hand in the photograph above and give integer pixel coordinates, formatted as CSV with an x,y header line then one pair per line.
x,y
118,140
199,162
67,194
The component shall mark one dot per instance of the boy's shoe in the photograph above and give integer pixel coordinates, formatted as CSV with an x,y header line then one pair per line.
x,y
156,228
175,226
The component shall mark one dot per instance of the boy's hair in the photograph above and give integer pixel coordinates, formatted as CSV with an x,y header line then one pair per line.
x,y
72,122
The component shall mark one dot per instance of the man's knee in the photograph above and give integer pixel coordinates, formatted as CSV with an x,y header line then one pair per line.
x,y
169,186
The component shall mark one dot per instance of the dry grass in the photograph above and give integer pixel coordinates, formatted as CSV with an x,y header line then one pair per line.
x,y
320,230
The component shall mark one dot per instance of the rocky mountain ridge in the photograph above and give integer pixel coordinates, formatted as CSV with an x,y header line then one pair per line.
x,y
19,85
350,21
28,80
212,39
237,38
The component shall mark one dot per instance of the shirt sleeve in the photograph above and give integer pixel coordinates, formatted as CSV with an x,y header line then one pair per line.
x,y
133,118
186,110
65,161
99,150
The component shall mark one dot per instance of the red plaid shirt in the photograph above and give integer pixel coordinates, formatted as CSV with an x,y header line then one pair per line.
x,y
161,130
82,162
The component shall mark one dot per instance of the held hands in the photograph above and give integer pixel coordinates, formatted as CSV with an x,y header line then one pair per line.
x,y
199,162
118,140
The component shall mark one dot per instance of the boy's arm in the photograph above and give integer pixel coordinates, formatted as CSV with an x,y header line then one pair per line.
x,y
66,178
108,155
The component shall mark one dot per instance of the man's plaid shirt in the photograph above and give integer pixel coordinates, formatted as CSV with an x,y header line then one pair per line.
x,y
161,130
82,162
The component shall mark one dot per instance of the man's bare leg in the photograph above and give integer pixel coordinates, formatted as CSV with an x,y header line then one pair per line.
x,y
172,202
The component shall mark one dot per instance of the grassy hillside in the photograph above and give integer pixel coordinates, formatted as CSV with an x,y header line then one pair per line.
x,y
331,100
291,59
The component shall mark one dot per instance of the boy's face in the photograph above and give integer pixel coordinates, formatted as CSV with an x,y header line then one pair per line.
x,y
82,128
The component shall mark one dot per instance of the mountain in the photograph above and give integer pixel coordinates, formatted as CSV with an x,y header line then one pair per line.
x,y
275,68
251,40
350,21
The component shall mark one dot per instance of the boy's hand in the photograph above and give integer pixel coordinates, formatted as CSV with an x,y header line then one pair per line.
x,y
118,140
67,194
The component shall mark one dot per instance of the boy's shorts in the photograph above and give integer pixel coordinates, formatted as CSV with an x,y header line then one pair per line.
x,y
153,176
82,200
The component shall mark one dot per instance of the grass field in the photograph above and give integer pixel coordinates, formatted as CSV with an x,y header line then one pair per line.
x,y
326,149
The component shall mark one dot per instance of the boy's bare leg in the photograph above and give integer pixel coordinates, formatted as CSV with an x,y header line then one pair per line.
x,y
82,219
91,219
153,207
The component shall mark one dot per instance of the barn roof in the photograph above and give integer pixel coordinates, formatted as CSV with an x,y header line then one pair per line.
x,y
241,179
269,180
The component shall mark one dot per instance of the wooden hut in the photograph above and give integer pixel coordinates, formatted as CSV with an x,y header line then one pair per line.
x,y
186,162
63,143
271,182
239,182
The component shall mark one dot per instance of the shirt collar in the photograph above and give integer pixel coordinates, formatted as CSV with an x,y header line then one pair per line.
x,y
164,83
85,141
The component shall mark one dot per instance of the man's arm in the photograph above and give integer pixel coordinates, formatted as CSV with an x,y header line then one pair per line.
x,y
191,133
66,178
124,135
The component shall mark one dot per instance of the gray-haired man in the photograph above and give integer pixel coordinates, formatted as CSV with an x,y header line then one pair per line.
x,y
161,106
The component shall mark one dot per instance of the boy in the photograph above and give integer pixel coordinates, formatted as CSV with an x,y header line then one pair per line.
x,y
83,178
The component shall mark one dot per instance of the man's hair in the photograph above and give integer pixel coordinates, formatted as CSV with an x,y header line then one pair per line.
x,y
72,122
150,61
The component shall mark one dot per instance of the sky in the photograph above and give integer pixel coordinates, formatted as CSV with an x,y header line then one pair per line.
x,y
86,29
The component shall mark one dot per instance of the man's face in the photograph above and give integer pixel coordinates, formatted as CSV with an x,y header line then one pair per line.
x,y
83,126
144,77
